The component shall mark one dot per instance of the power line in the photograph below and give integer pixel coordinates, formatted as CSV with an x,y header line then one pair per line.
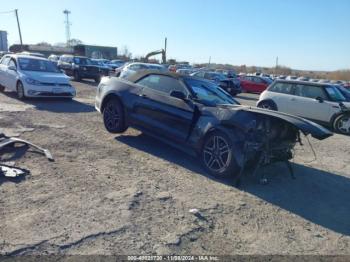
x,y
18,25
7,12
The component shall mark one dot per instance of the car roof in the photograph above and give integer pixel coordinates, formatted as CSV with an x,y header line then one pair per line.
x,y
140,63
78,56
141,74
302,82
26,56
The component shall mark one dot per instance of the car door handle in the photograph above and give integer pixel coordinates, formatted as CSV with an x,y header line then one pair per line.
x,y
143,95
292,99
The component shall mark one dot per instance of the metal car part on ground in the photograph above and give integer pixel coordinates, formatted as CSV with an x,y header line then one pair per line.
x,y
12,172
6,141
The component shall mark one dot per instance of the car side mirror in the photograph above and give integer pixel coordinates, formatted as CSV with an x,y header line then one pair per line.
x,y
13,68
319,99
178,94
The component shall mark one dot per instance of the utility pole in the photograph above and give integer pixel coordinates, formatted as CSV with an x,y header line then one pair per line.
x,y
19,29
209,61
276,64
165,47
68,24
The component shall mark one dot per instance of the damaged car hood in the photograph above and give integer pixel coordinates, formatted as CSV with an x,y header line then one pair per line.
x,y
236,115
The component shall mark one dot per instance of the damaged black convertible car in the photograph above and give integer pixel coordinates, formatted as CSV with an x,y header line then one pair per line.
x,y
197,116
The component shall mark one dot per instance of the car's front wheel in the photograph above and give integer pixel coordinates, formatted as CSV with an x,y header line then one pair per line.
x,y
114,117
76,76
20,91
217,155
267,105
342,124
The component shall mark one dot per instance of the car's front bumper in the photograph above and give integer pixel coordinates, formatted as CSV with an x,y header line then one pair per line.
x,y
49,91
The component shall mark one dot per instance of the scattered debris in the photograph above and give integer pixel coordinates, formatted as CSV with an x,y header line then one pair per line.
x,y
16,132
8,141
163,196
194,211
50,125
172,240
138,193
12,172
198,214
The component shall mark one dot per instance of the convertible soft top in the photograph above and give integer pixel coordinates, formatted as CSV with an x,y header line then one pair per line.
x,y
140,74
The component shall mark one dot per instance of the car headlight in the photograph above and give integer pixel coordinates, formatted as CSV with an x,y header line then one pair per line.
x,y
33,81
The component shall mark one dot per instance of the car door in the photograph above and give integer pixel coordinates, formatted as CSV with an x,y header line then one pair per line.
x,y
160,113
245,83
12,74
282,94
307,104
258,85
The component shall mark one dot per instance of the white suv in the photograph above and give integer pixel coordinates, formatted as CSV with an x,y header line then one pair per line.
x,y
321,103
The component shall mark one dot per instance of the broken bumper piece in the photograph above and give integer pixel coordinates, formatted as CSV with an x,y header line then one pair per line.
x,y
7,141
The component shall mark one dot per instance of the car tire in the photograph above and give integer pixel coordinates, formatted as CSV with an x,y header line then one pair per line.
x,y
341,124
268,105
2,88
114,117
20,91
76,76
217,155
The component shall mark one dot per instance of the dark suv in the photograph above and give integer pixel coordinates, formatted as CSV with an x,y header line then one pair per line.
x,y
230,85
81,67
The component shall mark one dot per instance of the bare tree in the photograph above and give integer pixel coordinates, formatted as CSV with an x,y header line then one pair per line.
x,y
44,44
74,42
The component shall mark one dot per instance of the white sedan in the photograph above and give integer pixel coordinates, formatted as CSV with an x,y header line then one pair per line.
x,y
31,76
132,68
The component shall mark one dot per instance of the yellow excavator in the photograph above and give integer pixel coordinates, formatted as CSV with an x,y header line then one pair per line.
x,y
161,51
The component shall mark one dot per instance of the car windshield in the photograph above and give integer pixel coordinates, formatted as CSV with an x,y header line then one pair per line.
x,y
82,61
268,80
30,64
335,94
96,62
208,93
217,76
344,91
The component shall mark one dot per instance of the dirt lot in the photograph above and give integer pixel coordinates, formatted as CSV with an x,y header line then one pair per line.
x,y
130,194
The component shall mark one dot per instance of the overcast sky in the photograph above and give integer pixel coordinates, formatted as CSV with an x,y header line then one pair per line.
x,y
313,34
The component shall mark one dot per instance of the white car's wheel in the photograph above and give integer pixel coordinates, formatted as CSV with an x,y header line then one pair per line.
x,y
20,91
267,105
342,124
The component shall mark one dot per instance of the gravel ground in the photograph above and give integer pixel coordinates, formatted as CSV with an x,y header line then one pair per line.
x,y
130,194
